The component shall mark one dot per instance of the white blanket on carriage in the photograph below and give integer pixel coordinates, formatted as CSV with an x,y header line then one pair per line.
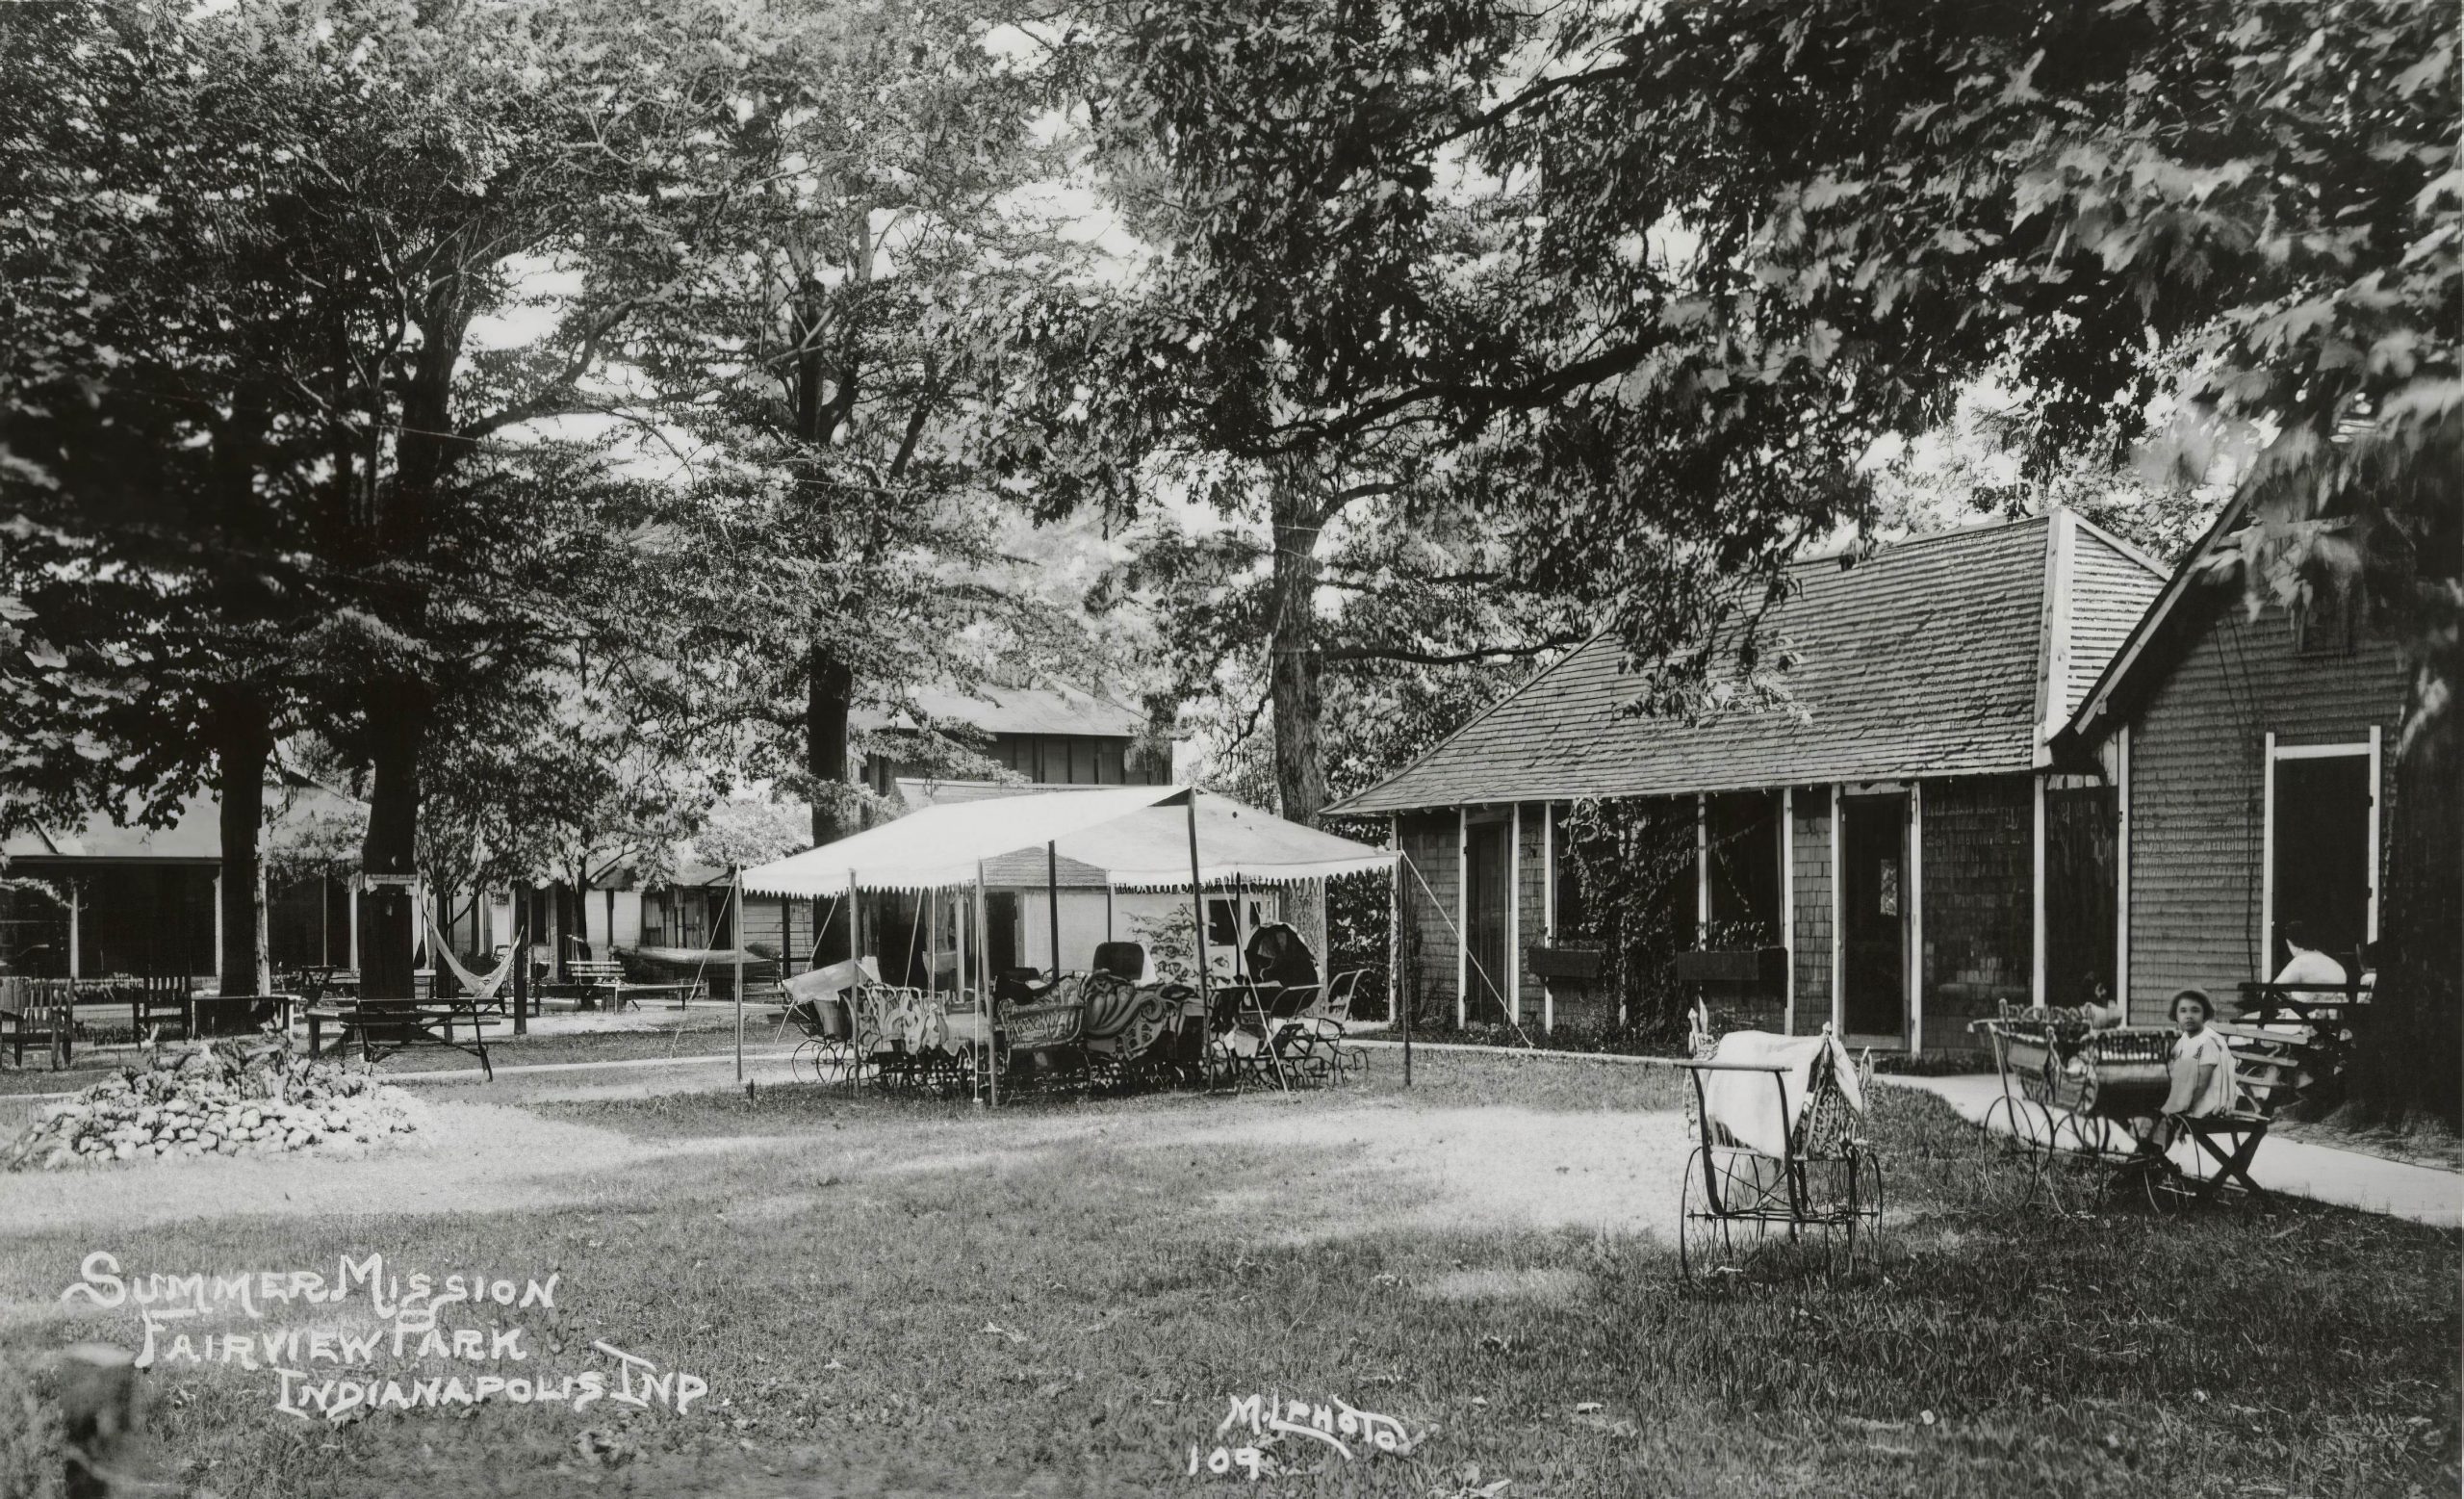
x,y
833,980
1747,1104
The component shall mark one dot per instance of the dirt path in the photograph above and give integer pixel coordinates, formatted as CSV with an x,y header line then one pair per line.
x,y
465,1157
1368,1162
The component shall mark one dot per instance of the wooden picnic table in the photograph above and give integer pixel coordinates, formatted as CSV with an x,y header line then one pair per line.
x,y
384,1026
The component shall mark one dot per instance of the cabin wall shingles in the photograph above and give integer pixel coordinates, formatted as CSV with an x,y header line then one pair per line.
x,y
2198,780
1811,942
1430,899
1979,879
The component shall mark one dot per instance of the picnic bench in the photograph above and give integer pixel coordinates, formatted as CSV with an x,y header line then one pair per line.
x,y
382,1027
596,978
41,1010
2292,1041
683,993
155,1003
318,982
239,1015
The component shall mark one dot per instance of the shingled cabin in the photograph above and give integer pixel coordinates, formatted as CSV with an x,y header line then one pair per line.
x,y
1891,852
2253,756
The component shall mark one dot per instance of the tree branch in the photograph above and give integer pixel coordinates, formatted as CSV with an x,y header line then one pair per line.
x,y
1411,657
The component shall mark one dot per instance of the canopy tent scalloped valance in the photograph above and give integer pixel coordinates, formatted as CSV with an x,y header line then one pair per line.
x,y
1138,836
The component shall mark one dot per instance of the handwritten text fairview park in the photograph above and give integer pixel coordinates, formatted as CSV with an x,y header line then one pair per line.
x,y
405,1326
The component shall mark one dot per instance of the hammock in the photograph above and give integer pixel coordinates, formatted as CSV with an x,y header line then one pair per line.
x,y
482,988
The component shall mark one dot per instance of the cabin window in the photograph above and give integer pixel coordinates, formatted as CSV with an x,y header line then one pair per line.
x,y
1741,846
1567,898
1225,927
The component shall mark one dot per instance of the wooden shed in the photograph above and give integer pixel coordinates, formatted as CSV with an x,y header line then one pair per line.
x,y
1897,829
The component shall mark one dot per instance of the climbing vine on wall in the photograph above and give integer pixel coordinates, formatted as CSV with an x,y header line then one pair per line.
x,y
1632,867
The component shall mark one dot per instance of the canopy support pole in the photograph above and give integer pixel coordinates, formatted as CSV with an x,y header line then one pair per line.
x,y
1052,904
1240,922
735,929
1197,928
983,991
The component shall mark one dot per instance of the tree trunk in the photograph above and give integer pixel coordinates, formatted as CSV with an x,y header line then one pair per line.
x,y
1295,665
397,708
830,693
568,931
244,744
2404,1066
396,723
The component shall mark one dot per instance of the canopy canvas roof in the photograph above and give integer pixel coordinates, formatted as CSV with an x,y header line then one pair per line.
x,y
1957,654
1137,837
1150,849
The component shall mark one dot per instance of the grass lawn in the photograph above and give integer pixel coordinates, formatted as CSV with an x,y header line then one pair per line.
x,y
900,1297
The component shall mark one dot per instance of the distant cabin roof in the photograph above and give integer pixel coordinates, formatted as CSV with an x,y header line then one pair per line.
x,y
1954,654
999,710
2136,662
194,836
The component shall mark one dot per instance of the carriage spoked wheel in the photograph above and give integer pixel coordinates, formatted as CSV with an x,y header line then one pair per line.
x,y
964,1063
859,1065
1722,1232
1704,1248
2091,1136
2171,1188
2023,1125
2029,1131
805,1064
1856,1242
1842,1196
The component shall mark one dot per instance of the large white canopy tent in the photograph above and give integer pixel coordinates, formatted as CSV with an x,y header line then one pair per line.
x,y
1146,837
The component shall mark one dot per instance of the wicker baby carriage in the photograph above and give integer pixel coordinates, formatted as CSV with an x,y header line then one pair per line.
x,y
1781,1170
2073,1093
886,1034
1128,1030
2065,1087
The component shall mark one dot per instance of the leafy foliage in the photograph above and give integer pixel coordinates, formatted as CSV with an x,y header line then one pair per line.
x,y
824,307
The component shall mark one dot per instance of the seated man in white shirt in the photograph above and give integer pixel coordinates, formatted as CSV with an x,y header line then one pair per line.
x,y
2307,967
2304,972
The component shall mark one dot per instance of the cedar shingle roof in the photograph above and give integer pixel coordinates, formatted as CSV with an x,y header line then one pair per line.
x,y
1927,657
1061,708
